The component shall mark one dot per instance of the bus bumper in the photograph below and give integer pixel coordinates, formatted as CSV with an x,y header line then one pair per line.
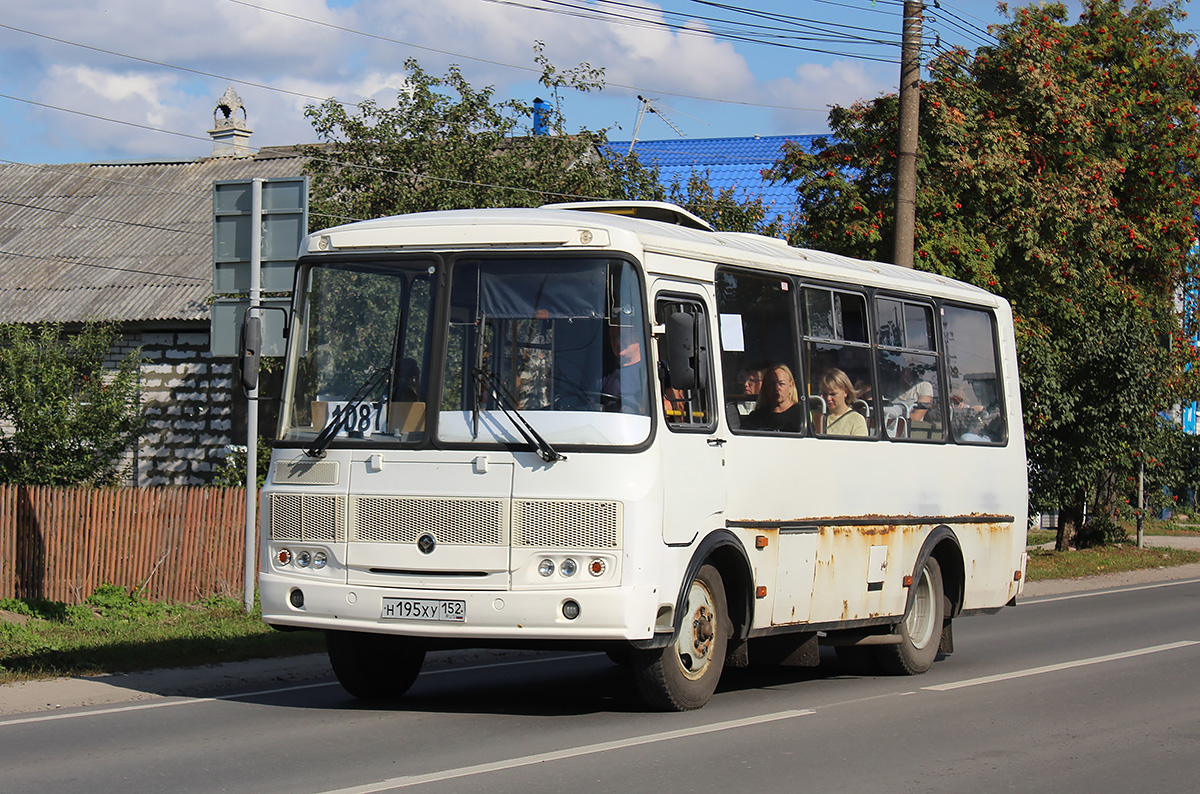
x,y
604,614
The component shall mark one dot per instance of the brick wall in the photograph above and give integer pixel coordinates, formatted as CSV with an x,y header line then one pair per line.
x,y
188,397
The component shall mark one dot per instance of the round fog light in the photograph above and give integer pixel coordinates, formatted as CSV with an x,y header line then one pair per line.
x,y
568,567
570,610
546,567
296,597
303,559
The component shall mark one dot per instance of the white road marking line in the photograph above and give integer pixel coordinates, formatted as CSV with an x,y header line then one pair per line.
x,y
1051,668
569,752
1112,591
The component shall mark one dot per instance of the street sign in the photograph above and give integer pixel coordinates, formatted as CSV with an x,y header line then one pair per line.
x,y
284,224
227,317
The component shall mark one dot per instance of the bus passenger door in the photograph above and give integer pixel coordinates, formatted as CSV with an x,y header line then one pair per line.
x,y
693,455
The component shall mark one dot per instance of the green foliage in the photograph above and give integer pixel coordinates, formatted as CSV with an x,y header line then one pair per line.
x,y
723,209
1055,168
1044,565
231,471
447,145
69,418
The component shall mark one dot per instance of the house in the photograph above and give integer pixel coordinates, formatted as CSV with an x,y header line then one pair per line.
x,y
132,242
736,163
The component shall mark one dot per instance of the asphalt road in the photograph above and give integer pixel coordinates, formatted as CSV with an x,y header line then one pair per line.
x,y
1085,691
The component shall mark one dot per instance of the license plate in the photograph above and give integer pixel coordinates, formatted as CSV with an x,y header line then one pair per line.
x,y
424,609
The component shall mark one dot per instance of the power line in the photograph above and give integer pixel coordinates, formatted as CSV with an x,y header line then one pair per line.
x,y
106,220
743,37
330,161
164,65
62,260
241,81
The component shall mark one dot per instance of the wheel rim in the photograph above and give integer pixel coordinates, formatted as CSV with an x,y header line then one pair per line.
x,y
697,635
919,622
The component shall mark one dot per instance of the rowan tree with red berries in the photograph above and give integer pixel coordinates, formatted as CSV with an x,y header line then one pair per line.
x,y
1056,167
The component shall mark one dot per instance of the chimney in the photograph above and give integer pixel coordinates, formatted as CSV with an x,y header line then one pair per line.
x,y
541,111
231,136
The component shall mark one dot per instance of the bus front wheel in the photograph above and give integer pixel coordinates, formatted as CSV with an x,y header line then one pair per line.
x,y
683,675
921,630
374,666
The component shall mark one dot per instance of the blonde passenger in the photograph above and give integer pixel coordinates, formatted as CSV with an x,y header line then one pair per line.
x,y
839,395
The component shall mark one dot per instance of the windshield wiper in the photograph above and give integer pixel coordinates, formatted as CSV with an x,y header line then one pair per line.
x,y
486,380
374,378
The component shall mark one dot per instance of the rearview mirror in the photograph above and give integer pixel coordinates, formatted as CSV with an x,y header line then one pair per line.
x,y
681,350
251,355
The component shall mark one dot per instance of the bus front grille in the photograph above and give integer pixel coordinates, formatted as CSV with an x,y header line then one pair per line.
x,y
535,523
308,517
567,524
395,519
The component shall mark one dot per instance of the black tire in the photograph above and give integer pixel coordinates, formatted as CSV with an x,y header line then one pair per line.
x,y
921,630
684,675
374,666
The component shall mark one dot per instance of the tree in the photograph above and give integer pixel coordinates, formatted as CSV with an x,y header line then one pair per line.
x,y
447,145
65,419
1056,168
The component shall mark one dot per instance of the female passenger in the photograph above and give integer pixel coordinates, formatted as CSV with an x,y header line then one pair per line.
x,y
838,393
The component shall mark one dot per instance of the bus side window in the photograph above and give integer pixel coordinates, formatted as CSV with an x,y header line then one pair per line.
x,y
687,408
976,410
837,352
758,338
908,370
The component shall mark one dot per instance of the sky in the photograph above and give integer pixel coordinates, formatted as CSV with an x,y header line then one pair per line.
x,y
111,80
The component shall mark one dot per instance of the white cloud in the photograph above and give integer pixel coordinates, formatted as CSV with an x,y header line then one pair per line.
x,y
814,87
491,42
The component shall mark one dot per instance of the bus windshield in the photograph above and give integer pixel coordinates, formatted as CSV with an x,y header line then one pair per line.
x,y
536,352
555,345
362,352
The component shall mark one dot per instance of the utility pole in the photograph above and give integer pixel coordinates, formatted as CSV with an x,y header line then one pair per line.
x,y
906,147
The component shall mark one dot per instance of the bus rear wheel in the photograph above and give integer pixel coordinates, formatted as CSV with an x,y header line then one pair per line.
x,y
374,666
684,675
921,630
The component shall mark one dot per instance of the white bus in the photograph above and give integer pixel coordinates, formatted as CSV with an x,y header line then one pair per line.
x,y
606,426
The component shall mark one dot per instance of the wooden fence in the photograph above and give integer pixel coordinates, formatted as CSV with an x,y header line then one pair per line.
x,y
172,544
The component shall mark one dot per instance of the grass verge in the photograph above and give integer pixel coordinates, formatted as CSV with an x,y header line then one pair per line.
x,y
1048,564
115,632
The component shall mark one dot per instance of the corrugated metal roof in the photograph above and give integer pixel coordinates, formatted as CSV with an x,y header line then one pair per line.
x,y
133,241
125,241
729,162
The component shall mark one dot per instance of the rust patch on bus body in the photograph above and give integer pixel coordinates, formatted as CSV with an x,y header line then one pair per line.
x,y
841,567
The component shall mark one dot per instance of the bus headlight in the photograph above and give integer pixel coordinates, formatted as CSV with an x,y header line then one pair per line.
x,y
303,559
319,560
568,567
546,567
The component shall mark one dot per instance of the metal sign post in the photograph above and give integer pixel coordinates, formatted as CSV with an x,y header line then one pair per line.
x,y
252,400
257,228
